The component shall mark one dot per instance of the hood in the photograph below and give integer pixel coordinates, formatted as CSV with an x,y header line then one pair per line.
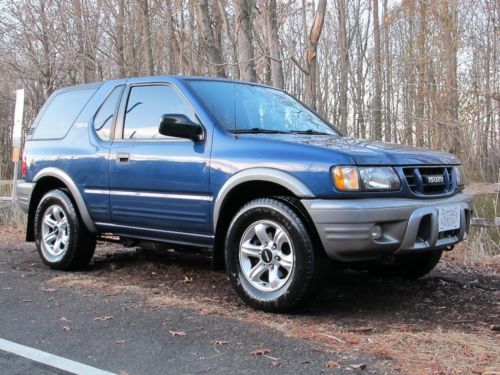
x,y
366,152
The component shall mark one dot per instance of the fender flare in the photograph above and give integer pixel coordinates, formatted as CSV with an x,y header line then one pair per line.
x,y
77,196
276,176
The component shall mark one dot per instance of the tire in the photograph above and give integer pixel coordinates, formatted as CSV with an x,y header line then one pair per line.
x,y
411,266
270,256
68,245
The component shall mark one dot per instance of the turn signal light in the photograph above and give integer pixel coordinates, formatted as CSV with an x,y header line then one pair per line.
x,y
346,178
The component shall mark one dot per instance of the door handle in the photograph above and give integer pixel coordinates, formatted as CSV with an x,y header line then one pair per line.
x,y
122,157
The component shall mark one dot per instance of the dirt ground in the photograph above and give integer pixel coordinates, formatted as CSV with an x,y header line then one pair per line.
x,y
446,323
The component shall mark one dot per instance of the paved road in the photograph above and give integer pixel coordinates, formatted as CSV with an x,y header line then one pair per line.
x,y
136,340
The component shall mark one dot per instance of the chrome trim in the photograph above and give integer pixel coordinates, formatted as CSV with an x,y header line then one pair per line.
x,y
150,195
154,230
68,181
276,176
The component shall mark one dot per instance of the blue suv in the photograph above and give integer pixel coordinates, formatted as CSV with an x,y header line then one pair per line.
x,y
273,191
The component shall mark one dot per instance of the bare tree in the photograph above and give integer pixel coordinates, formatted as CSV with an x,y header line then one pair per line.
x,y
146,38
243,18
213,50
273,44
377,75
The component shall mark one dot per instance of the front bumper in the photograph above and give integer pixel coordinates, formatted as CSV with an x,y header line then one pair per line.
x,y
24,190
408,225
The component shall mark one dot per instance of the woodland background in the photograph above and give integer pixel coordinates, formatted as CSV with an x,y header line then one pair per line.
x,y
423,72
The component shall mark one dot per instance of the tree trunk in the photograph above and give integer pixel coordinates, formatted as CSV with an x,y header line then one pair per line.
x,y
311,54
243,17
388,79
146,38
421,63
344,64
273,45
120,39
213,51
230,38
377,76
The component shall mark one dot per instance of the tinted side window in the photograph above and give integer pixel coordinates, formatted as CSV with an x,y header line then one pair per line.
x,y
146,105
61,113
103,120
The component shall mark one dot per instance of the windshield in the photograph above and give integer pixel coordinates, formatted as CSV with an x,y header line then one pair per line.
x,y
245,108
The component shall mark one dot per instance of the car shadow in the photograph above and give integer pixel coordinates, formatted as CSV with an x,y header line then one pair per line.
x,y
446,297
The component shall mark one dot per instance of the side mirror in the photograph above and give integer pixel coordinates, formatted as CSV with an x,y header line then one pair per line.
x,y
180,126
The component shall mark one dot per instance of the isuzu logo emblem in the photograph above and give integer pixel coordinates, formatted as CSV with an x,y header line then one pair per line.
x,y
266,255
434,180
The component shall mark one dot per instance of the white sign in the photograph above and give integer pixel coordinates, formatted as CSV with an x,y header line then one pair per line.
x,y
18,119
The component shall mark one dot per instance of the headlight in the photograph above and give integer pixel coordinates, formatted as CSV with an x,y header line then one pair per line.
x,y
365,178
379,178
459,172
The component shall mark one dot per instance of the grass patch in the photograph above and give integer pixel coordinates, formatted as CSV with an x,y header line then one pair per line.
x,y
12,215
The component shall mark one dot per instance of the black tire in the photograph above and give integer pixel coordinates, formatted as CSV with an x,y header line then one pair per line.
x,y
79,244
410,266
302,281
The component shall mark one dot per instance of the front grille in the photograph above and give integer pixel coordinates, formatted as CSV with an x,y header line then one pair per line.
x,y
430,180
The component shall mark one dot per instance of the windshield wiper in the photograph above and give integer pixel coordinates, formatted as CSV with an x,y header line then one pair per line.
x,y
257,130
309,131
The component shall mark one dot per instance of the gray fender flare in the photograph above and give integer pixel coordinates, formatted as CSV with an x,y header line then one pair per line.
x,y
259,174
68,181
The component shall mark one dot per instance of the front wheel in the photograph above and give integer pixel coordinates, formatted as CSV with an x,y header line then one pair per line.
x,y
270,256
61,238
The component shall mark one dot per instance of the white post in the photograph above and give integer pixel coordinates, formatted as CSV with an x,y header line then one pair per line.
x,y
16,139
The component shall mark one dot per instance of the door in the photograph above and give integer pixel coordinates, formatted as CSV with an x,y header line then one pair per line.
x,y
158,185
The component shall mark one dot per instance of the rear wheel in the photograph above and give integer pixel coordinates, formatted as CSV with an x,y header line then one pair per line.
x,y
270,257
410,266
62,240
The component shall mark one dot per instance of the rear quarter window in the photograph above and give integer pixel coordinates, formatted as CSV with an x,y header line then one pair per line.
x,y
60,114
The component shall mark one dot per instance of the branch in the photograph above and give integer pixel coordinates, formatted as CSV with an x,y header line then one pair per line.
x,y
305,71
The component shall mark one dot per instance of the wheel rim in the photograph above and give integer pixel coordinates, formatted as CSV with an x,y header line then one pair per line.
x,y
55,233
266,255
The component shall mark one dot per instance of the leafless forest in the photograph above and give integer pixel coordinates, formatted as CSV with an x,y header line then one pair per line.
x,y
422,72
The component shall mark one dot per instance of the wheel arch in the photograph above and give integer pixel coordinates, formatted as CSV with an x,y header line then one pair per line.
x,y
52,178
248,185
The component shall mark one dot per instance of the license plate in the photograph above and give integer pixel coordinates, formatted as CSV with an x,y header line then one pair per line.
x,y
448,218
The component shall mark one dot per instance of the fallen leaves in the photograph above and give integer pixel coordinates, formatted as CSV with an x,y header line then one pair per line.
x,y
103,318
360,366
66,328
331,364
48,290
495,327
188,280
177,333
218,342
260,351
120,341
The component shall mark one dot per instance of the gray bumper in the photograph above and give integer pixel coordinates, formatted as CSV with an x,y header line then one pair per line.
x,y
408,225
24,190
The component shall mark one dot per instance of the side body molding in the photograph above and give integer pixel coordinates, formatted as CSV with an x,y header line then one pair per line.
x,y
64,177
276,176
